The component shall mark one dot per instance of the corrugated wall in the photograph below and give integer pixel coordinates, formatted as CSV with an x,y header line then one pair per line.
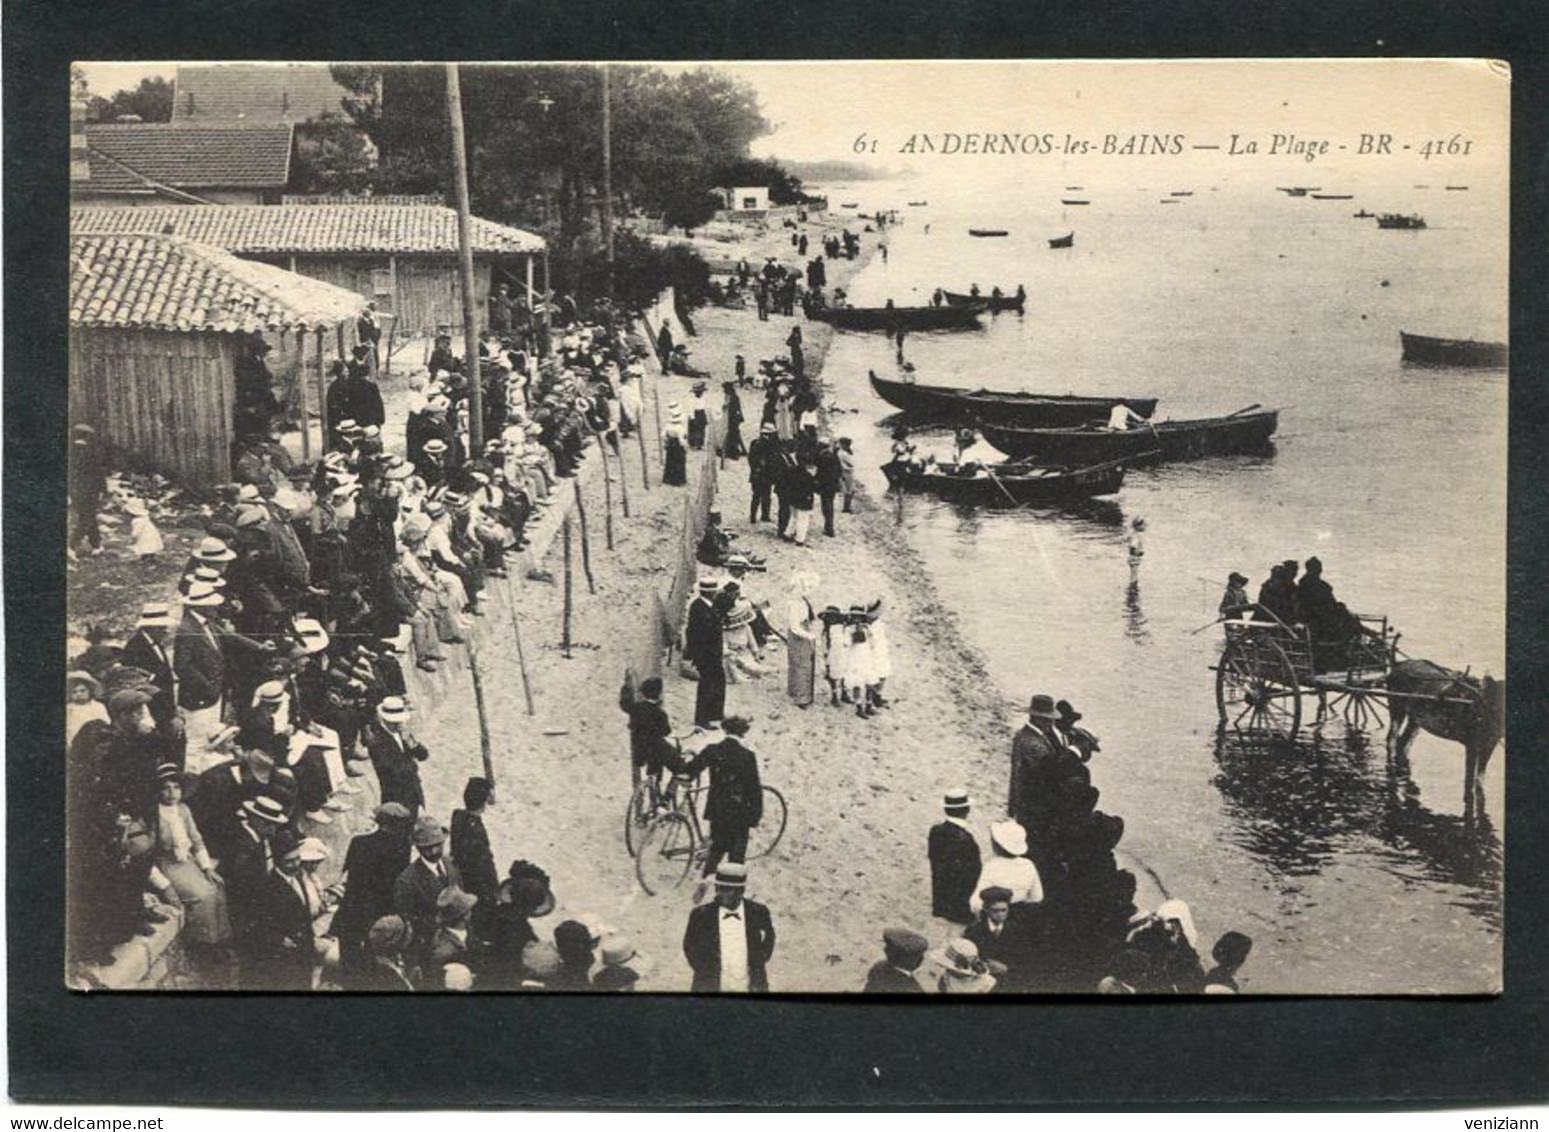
x,y
163,400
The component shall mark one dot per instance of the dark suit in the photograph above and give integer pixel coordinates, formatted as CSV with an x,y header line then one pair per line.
x,y
884,978
216,803
472,855
140,653
702,946
397,769
1036,770
763,463
372,864
705,648
1019,945
954,870
735,801
201,670
282,952
414,896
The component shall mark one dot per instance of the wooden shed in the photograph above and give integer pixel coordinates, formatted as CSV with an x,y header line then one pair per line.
x,y
402,256
156,326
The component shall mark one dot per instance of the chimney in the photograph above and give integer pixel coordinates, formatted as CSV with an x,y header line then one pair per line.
x,y
80,161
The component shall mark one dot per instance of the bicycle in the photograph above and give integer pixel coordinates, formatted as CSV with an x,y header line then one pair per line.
x,y
672,843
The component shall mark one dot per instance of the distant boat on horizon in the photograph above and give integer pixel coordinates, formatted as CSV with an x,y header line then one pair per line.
x,y
1074,189
1333,196
1363,215
1457,188
1181,193
1398,221
987,232
1067,200
1169,200
1066,241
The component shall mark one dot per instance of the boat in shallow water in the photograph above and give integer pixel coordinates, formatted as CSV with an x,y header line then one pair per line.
x,y
1240,433
996,302
896,318
949,403
1008,484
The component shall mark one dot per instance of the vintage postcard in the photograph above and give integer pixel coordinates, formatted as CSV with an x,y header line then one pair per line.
x,y
1014,528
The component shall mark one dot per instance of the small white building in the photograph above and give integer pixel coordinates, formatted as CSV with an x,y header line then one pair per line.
x,y
749,199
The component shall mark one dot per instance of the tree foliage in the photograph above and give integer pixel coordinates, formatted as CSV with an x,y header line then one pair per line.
x,y
784,187
534,139
332,156
151,101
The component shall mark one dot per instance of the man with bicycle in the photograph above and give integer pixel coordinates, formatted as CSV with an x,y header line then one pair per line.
x,y
736,797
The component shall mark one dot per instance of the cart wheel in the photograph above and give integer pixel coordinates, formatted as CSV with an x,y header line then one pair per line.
x,y
764,836
642,805
1364,711
666,853
1256,687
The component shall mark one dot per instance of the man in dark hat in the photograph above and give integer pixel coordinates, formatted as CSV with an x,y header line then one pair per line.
x,y
1038,770
954,860
763,469
735,802
424,878
470,841
1277,598
1324,614
1234,603
903,951
650,732
704,647
730,940
1077,739
372,864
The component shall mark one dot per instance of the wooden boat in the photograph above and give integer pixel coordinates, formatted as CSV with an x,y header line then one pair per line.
x,y
984,232
1075,188
1169,200
1242,432
996,303
1295,191
1363,215
1395,220
1333,196
1008,484
1073,202
905,318
918,203
1181,193
950,403
1065,241
851,204
1456,188
1425,351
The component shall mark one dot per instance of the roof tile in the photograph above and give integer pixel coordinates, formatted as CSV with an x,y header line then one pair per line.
x,y
189,157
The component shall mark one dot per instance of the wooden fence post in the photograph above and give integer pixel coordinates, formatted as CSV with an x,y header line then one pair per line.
x,y
481,711
564,640
607,488
586,546
521,653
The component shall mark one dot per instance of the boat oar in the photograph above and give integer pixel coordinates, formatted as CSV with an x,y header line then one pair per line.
x,y
996,479
1240,412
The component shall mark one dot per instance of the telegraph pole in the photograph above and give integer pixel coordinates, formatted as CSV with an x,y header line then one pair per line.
x,y
454,113
607,172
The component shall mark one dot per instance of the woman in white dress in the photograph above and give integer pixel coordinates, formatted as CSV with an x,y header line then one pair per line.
x,y
802,628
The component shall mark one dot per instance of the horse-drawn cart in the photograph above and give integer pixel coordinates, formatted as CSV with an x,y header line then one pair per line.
x,y
1267,667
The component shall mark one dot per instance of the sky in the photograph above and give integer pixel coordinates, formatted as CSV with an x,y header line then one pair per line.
x,y
824,110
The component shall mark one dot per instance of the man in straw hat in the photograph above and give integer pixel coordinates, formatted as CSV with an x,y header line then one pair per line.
x,y
199,658
396,755
903,952
730,940
704,647
147,650
954,859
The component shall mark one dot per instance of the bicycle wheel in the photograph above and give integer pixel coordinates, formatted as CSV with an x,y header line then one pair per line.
x,y
666,853
642,807
764,836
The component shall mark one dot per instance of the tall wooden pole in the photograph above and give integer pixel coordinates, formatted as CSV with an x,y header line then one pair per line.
x,y
454,113
301,388
607,172
607,487
564,642
586,544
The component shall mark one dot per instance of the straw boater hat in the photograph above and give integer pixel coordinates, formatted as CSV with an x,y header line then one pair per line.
x,y
205,576
313,849
314,638
251,517
956,800
155,615
203,596
959,959
428,831
730,874
1010,836
269,692
81,676
393,709
266,808
347,427
214,550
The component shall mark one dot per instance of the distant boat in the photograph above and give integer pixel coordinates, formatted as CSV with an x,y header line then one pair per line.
x,y
996,302
1423,351
1295,191
1026,410
985,232
1422,186
1241,432
850,204
1074,189
1363,215
1457,188
1333,196
1065,241
1395,220
918,203
1181,193
895,318
1069,201
1169,200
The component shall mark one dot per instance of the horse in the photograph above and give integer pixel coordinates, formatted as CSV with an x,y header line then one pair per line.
x,y
1451,705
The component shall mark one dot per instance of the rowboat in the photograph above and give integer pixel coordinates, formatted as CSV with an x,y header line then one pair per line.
x,y
1075,202
1026,410
996,302
1007,484
1425,351
1363,215
1456,188
1169,200
1333,196
983,232
1063,241
850,204
1295,191
1181,193
1395,220
1242,432
918,203
900,318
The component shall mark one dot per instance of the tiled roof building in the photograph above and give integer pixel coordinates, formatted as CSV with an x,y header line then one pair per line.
x,y
254,92
125,157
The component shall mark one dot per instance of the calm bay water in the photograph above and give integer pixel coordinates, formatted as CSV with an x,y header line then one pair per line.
x,y
1350,877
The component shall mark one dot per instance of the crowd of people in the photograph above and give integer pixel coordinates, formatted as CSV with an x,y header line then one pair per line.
x,y
211,750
